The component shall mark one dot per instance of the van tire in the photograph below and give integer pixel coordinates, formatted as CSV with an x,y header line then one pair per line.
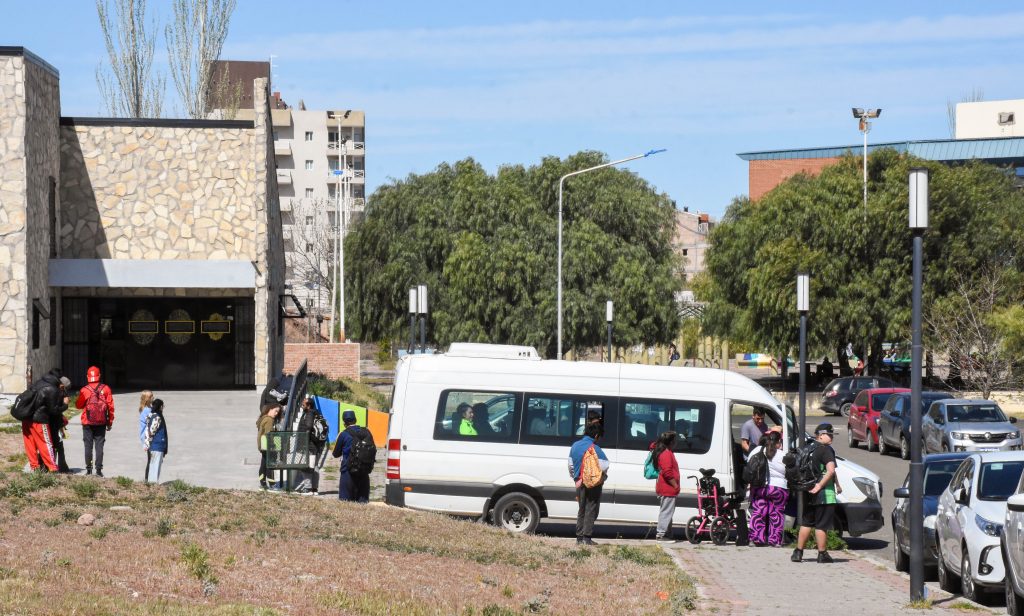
x,y
517,513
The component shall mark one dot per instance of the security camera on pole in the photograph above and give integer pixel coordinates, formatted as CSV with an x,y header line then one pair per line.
x,y
918,224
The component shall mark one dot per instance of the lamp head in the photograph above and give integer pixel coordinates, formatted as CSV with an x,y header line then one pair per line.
x,y
858,112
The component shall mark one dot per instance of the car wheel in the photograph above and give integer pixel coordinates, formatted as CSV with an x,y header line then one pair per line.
x,y
904,448
899,557
693,530
947,580
845,410
883,448
517,512
967,586
868,441
852,442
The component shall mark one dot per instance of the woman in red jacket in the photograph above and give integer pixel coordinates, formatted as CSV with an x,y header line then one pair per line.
x,y
667,487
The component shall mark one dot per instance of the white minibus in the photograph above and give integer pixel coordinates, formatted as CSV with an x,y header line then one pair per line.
x,y
509,464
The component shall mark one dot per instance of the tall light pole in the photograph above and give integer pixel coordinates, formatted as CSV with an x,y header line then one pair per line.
x,y
863,115
918,224
609,309
803,305
561,184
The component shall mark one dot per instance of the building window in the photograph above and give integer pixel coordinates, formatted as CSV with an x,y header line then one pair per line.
x,y
309,247
309,221
309,165
684,252
309,193
1006,118
334,164
309,135
35,325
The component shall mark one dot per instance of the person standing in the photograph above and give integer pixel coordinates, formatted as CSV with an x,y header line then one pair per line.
x,y
155,441
48,405
752,431
57,424
589,498
312,422
667,487
768,502
354,483
145,399
820,503
97,404
265,425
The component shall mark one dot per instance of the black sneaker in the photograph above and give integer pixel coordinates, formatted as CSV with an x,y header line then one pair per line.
x,y
88,471
798,556
580,541
588,541
823,557
99,473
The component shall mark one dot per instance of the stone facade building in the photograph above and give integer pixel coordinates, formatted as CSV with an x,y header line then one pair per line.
x,y
151,248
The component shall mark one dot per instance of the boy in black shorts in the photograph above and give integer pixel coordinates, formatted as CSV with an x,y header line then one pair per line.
x,y
820,502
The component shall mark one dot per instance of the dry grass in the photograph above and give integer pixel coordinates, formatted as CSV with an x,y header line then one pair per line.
x,y
181,550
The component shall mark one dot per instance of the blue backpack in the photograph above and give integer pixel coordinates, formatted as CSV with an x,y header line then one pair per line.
x,y
650,469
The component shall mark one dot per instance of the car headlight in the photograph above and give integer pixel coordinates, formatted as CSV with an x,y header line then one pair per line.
x,y
1014,434
988,527
929,522
867,486
958,435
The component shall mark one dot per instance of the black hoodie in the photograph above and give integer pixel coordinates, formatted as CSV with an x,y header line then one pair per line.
x,y
49,399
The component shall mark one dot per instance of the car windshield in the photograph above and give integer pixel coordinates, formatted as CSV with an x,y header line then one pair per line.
x,y
878,400
975,412
937,476
998,480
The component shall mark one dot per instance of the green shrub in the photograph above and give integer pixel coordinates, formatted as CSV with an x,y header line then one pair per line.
x,y
197,562
7,574
85,488
163,527
326,387
125,482
99,532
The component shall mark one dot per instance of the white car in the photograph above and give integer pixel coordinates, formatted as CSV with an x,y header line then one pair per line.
x,y
1013,551
969,522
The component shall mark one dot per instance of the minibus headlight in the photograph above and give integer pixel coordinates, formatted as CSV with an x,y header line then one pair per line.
x,y
867,487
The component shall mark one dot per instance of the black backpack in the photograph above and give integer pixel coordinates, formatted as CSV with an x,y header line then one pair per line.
x,y
755,473
25,404
363,453
801,471
318,433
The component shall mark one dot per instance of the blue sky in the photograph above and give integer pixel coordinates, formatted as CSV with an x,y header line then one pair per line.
x,y
513,82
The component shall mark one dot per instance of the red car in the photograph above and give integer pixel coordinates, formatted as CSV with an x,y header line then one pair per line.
x,y
862,425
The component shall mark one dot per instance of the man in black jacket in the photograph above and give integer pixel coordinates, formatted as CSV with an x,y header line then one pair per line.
x,y
49,406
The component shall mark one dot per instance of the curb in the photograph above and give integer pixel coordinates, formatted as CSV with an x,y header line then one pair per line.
x,y
932,590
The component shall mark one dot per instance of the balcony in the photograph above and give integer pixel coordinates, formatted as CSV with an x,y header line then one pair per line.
x,y
352,148
283,147
280,118
355,175
284,178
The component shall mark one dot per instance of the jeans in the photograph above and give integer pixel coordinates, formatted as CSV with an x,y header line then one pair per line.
x,y
354,487
94,436
668,508
590,506
156,459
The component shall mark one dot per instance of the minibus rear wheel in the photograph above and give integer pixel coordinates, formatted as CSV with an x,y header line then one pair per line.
x,y
517,512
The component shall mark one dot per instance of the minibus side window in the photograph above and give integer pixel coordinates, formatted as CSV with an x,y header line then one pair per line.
x,y
644,420
490,416
553,419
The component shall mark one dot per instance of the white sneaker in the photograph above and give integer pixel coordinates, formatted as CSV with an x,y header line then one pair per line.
x,y
666,540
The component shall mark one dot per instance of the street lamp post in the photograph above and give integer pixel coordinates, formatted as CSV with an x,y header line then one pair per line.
x,y
863,115
918,224
414,309
803,305
609,309
421,296
561,184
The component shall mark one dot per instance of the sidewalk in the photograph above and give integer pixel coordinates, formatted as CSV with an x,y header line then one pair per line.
x,y
747,580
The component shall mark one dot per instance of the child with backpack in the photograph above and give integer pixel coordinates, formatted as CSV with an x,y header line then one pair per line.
x,y
264,426
97,404
155,441
667,488
145,400
768,490
357,451
588,467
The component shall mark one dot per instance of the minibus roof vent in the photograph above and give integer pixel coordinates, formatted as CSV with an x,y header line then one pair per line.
x,y
495,351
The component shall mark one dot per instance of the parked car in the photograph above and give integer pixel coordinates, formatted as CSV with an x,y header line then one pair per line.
x,y
894,421
838,395
969,425
862,422
1012,545
969,521
938,471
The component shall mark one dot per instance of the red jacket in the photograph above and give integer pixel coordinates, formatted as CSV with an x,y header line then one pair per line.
x,y
668,469
103,391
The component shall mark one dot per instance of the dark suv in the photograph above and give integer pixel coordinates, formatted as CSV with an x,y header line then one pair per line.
x,y
839,394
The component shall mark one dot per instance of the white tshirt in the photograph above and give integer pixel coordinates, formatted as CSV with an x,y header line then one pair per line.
x,y
776,469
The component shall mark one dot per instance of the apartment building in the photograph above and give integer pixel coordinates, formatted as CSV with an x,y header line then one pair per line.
x,y
321,170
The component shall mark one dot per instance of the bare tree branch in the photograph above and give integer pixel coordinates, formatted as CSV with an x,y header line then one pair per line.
x,y
129,87
974,96
313,234
194,42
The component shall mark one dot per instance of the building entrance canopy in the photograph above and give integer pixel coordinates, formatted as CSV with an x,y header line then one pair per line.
x,y
153,273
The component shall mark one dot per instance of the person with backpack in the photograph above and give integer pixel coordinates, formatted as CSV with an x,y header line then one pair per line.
x,y
357,451
820,500
145,409
588,467
264,426
667,488
155,441
36,408
768,490
97,404
313,422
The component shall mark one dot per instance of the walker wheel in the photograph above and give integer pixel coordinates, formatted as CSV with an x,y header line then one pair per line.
x,y
719,530
693,529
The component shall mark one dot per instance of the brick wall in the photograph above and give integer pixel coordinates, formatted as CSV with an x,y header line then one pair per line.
x,y
767,174
333,360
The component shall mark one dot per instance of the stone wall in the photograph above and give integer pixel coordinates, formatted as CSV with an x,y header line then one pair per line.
x,y
340,360
159,192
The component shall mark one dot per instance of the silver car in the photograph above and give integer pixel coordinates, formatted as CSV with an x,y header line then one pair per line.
x,y
969,425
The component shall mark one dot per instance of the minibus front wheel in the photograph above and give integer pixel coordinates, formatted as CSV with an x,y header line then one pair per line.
x,y
517,512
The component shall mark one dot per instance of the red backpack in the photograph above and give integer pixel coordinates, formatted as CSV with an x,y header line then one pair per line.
x,y
97,413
